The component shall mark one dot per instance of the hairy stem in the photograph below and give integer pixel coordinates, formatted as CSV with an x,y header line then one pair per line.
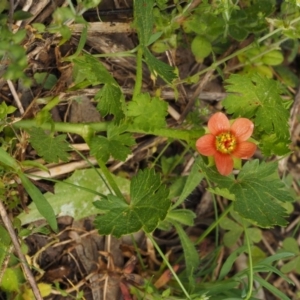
x,y
85,129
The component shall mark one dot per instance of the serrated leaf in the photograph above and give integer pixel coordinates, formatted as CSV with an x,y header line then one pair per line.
x,y
92,69
148,112
74,196
148,205
116,144
258,98
157,67
110,101
89,70
51,148
143,16
257,189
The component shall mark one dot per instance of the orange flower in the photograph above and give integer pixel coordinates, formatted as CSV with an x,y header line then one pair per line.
x,y
227,142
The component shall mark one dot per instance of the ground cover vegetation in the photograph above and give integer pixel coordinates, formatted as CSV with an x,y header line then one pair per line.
x,y
149,149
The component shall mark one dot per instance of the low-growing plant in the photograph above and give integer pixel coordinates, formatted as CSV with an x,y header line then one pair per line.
x,y
258,108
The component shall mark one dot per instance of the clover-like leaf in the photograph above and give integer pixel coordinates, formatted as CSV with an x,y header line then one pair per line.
x,y
148,205
51,148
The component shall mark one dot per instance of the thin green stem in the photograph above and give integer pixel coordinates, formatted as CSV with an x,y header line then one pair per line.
x,y
250,262
169,265
139,72
86,129
93,167
110,179
214,224
81,129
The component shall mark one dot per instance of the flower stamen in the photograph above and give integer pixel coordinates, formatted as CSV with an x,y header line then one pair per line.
x,y
225,142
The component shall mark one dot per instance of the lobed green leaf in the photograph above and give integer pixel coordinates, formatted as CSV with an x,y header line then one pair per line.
x,y
147,112
257,190
148,205
52,149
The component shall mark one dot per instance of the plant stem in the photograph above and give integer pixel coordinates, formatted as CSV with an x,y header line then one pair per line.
x,y
110,179
85,129
250,280
76,128
149,236
214,224
139,72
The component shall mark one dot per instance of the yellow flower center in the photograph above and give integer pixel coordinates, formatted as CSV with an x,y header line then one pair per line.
x,y
225,142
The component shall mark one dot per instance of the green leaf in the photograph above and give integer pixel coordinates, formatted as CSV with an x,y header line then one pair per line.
x,y
230,261
291,245
157,67
288,77
22,15
148,205
10,282
74,196
89,67
8,160
191,256
258,98
154,37
143,16
116,144
238,32
193,180
233,234
254,234
110,101
273,58
293,265
222,192
47,80
201,47
182,216
257,190
52,149
271,288
148,113
41,203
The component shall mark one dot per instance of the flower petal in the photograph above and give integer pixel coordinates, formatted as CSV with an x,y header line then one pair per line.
x,y
242,128
224,163
218,123
206,145
244,150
